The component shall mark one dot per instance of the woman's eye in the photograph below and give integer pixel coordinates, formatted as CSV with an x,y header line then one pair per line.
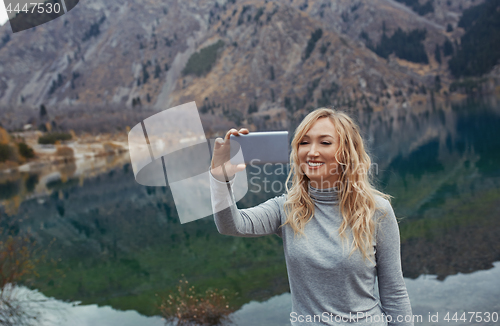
x,y
324,143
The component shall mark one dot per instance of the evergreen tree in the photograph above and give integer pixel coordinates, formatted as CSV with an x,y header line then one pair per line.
x,y
253,108
437,83
315,36
145,74
157,71
437,53
43,111
447,48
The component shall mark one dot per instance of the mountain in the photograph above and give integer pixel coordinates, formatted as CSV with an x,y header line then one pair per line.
x,y
244,62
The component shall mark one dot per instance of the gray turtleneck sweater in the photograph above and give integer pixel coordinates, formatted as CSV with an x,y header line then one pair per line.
x,y
327,286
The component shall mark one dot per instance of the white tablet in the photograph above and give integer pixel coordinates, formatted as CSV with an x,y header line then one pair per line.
x,y
260,147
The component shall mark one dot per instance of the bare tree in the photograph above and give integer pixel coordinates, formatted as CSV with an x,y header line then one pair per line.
x,y
20,306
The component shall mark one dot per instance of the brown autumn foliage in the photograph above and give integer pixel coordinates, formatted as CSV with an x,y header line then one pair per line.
x,y
187,307
111,148
17,263
65,151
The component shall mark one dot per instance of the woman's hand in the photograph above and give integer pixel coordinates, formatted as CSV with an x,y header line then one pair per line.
x,y
221,157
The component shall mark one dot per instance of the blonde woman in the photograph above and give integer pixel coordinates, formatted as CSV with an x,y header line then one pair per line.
x,y
339,233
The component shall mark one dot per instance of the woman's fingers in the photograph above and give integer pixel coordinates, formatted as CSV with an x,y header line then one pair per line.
x,y
240,167
235,132
218,143
231,132
233,169
221,154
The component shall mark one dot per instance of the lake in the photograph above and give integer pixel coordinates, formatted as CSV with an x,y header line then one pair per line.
x,y
112,242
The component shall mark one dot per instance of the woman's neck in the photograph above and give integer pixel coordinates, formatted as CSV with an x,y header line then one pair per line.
x,y
325,195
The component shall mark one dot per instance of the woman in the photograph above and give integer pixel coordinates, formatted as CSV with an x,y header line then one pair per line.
x,y
339,233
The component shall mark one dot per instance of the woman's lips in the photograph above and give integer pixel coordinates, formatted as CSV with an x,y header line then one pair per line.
x,y
315,164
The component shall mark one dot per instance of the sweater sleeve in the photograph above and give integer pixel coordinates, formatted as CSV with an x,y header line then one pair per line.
x,y
392,288
260,220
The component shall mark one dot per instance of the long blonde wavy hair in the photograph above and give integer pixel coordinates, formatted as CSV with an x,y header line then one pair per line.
x,y
356,192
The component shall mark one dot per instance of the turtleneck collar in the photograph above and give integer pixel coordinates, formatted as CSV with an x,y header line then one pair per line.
x,y
330,195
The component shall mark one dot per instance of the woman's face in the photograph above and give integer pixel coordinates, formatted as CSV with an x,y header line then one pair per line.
x,y
317,154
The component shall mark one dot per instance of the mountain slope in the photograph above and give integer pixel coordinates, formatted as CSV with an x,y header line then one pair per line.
x,y
275,58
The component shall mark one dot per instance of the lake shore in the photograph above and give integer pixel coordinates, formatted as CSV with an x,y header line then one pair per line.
x,y
82,157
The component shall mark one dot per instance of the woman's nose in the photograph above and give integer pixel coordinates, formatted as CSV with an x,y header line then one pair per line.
x,y
313,150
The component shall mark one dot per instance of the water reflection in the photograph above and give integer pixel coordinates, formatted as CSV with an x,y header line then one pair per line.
x,y
15,185
39,180
120,243
20,306
458,293
429,297
447,188
30,307
9,189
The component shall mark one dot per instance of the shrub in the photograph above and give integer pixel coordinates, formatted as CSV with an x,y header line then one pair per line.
x,y
51,138
6,152
186,307
19,258
25,150
110,147
259,13
94,30
4,136
65,151
252,108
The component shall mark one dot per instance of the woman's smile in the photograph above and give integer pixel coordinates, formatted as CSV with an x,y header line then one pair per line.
x,y
314,165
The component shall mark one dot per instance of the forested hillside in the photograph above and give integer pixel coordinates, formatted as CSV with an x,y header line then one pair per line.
x,y
479,49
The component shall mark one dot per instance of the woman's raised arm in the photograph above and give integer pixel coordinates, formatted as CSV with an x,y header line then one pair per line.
x,y
263,219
